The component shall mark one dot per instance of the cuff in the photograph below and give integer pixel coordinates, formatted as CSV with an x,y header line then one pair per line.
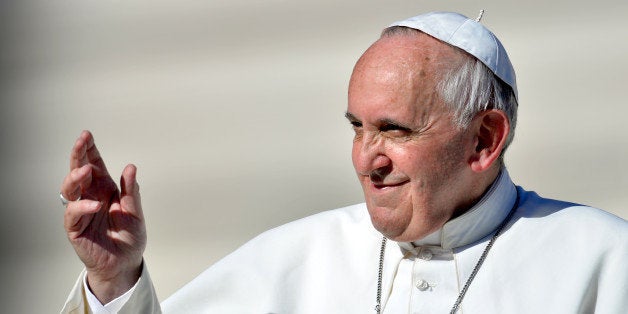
x,y
114,306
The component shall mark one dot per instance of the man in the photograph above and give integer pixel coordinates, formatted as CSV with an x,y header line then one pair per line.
x,y
433,104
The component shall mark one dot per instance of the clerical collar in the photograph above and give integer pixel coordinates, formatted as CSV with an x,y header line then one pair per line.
x,y
478,222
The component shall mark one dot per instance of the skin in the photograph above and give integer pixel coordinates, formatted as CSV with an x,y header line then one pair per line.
x,y
106,227
416,167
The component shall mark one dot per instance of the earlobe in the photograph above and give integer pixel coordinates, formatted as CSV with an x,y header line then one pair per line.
x,y
491,130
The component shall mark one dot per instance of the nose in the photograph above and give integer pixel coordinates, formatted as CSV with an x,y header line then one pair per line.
x,y
369,157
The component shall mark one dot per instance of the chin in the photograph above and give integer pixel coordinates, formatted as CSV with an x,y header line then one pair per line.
x,y
391,222
397,227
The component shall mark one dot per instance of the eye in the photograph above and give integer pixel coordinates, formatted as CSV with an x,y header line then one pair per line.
x,y
357,129
356,124
389,127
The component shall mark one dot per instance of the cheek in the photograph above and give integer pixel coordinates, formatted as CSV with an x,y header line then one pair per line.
x,y
410,159
355,155
437,173
429,167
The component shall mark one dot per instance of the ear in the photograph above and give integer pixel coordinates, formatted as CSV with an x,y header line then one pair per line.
x,y
491,129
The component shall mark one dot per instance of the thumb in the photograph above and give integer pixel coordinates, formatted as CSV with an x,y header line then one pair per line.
x,y
130,191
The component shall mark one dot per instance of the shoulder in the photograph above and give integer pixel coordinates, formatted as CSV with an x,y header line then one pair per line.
x,y
353,215
288,266
325,238
578,252
341,230
570,222
351,223
531,205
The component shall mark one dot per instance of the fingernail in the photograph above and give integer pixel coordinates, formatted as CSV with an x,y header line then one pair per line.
x,y
94,205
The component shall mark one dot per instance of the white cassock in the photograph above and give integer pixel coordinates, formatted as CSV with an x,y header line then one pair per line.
x,y
552,257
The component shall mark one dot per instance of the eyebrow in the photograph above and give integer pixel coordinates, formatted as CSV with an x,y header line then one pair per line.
x,y
350,116
383,121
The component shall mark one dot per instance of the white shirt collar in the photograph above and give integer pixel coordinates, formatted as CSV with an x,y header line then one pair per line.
x,y
479,221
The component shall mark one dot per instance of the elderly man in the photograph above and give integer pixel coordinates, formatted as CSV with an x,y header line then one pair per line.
x,y
433,105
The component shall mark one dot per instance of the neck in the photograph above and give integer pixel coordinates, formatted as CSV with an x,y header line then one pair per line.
x,y
483,183
477,221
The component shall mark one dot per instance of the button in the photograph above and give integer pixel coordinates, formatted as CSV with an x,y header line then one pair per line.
x,y
422,285
426,255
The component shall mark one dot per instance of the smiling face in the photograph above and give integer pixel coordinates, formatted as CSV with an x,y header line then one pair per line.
x,y
410,157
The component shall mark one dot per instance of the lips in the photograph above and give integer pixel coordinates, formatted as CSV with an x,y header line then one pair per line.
x,y
385,195
380,186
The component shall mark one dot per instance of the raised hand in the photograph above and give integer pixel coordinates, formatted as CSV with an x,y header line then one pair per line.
x,y
105,225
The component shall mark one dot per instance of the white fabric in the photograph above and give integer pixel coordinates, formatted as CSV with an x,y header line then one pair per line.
x,y
553,257
143,298
110,308
468,35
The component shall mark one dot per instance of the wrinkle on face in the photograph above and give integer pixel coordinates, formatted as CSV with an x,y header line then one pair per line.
x,y
412,175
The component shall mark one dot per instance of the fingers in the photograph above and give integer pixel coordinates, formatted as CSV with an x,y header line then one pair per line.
x,y
130,191
76,219
77,180
78,156
85,152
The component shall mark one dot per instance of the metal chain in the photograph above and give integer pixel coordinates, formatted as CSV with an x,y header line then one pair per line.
x,y
483,257
378,306
473,273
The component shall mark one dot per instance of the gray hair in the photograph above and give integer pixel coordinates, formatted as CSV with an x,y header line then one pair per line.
x,y
471,88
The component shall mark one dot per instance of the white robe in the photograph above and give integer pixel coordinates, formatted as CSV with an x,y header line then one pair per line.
x,y
552,257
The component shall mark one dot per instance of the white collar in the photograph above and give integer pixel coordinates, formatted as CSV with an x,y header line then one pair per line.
x,y
479,221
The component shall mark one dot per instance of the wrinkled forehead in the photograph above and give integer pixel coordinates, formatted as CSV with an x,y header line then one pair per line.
x,y
397,78
408,56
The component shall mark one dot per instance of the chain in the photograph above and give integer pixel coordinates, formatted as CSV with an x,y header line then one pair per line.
x,y
378,306
483,257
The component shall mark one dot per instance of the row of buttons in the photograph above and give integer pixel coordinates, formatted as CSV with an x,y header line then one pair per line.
x,y
426,255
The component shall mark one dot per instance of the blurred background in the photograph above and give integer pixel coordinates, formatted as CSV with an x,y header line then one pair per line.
x,y
233,113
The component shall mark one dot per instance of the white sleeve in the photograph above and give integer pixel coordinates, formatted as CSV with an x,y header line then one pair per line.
x,y
114,306
141,298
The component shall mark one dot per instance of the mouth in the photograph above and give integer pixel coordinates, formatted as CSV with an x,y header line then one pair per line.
x,y
385,186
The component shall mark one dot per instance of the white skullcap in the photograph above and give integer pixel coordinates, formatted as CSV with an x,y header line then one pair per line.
x,y
468,35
